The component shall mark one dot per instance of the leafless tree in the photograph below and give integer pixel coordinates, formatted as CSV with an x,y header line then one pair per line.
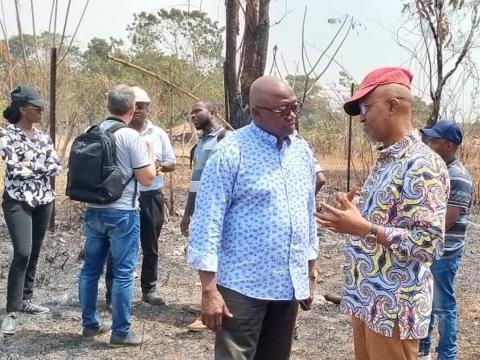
x,y
446,32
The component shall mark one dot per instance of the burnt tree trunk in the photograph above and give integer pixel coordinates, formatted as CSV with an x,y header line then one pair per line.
x,y
253,57
255,42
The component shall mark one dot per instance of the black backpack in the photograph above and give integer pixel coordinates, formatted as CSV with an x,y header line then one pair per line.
x,y
93,173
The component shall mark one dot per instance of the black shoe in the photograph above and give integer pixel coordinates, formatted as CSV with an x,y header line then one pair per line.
x,y
152,299
131,339
90,333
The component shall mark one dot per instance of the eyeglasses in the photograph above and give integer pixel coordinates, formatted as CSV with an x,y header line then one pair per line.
x,y
295,107
365,106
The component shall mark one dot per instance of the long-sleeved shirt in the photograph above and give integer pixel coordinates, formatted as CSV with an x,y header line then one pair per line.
x,y
406,192
254,223
28,164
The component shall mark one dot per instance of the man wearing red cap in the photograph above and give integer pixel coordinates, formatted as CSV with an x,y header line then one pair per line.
x,y
396,226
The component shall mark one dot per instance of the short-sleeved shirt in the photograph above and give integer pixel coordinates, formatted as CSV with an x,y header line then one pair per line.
x,y
460,196
131,155
163,151
203,149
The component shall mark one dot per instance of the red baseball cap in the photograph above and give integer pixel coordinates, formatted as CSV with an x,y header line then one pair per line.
x,y
381,76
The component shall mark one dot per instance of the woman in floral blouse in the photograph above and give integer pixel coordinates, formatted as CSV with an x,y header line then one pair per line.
x,y
30,160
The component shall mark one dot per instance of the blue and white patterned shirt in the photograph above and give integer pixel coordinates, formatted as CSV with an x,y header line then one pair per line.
x,y
254,222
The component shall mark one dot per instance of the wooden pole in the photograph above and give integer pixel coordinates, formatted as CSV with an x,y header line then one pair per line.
x,y
52,119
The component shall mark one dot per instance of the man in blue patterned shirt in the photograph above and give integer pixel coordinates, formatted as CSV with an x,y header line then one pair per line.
x,y
444,138
253,233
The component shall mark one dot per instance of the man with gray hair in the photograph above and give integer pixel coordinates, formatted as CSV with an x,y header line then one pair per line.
x,y
115,227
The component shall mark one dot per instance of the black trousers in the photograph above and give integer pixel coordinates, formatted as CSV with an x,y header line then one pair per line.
x,y
151,223
27,227
259,329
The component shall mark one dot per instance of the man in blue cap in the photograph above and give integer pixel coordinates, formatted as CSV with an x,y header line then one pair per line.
x,y
444,138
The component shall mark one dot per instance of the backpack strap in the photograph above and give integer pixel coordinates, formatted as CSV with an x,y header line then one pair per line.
x,y
119,125
192,153
222,135
116,127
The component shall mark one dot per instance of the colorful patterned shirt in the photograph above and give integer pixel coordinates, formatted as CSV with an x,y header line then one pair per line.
x,y
28,165
254,222
406,192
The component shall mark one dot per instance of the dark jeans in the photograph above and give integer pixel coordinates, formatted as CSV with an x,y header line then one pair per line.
x,y
27,227
259,329
151,222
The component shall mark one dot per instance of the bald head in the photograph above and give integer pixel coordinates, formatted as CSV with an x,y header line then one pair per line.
x,y
274,106
267,90
400,92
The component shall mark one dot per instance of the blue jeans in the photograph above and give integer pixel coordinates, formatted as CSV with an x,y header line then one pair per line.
x,y
117,231
444,307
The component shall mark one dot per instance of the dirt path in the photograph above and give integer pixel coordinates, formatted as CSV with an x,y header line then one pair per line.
x,y
324,331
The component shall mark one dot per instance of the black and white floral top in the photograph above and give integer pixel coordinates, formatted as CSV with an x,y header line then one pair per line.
x,y
28,165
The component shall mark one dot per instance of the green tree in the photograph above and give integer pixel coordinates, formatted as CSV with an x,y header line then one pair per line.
x,y
94,58
190,36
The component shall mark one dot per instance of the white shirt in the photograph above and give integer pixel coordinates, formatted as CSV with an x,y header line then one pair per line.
x,y
163,151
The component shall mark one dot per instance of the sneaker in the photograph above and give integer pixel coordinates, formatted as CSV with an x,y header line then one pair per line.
x,y
131,339
197,326
152,299
9,323
33,309
424,356
90,333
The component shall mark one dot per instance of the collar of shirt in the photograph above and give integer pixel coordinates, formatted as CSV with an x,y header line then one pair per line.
x,y
454,162
212,133
398,149
19,131
149,129
267,137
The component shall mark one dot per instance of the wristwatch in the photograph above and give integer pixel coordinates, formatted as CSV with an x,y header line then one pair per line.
x,y
371,237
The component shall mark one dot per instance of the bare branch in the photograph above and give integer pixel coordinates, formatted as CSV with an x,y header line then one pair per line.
x,y
20,35
466,46
162,79
333,56
75,33
35,43
64,26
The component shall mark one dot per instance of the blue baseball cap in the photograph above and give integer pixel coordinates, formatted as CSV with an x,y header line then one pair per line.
x,y
444,129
